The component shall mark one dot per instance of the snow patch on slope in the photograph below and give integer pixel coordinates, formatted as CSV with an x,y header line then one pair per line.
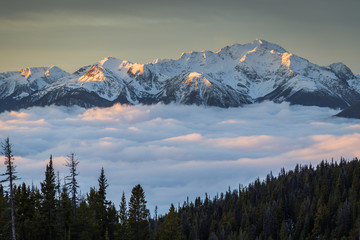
x,y
194,78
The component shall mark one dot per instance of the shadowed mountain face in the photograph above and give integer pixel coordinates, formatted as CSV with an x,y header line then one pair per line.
x,y
351,112
230,77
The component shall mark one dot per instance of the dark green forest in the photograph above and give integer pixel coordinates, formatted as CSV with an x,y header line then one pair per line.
x,y
321,202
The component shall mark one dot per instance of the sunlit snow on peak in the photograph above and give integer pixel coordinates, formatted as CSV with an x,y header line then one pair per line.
x,y
196,78
25,72
285,59
95,73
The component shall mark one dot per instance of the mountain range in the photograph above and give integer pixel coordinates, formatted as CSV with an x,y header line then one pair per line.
x,y
230,77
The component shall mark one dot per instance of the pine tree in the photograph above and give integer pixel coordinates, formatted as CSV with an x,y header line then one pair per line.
x,y
48,189
58,186
138,214
22,210
97,201
66,213
36,220
102,187
123,216
112,221
5,216
86,226
11,177
72,184
170,228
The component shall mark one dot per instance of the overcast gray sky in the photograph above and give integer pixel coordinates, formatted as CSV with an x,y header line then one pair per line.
x,y
71,34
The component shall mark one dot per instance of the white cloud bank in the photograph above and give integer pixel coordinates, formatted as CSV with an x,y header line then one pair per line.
x,y
176,151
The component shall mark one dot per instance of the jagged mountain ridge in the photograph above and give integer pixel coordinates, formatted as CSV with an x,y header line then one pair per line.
x,y
230,77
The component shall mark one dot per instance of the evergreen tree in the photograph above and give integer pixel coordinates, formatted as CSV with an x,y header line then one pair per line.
x,y
138,215
123,216
112,221
102,205
66,217
72,184
10,177
102,188
58,186
23,210
170,228
48,189
35,222
5,216
98,203
87,223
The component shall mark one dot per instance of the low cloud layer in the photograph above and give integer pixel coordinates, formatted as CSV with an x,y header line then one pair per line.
x,y
176,151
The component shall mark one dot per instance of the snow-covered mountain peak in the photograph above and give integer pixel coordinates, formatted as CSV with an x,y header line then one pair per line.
x,y
133,68
342,71
159,61
25,72
110,63
189,55
47,74
26,81
235,51
54,73
225,56
107,59
126,63
94,74
239,51
192,56
267,45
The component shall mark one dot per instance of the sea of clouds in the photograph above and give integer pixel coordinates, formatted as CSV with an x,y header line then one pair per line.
x,y
175,151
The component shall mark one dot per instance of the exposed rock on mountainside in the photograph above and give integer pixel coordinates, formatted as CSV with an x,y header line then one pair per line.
x,y
351,112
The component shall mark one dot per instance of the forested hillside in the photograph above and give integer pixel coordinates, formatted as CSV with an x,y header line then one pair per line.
x,y
321,202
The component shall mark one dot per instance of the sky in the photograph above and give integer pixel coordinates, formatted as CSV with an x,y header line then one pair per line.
x,y
71,34
175,151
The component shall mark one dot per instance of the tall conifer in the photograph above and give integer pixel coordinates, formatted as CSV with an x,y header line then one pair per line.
x,y
123,216
48,189
138,215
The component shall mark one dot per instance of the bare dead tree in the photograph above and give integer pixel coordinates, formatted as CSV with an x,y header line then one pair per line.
x,y
71,182
10,177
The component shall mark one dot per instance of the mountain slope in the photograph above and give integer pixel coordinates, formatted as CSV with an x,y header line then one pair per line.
x,y
351,112
230,77
304,203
